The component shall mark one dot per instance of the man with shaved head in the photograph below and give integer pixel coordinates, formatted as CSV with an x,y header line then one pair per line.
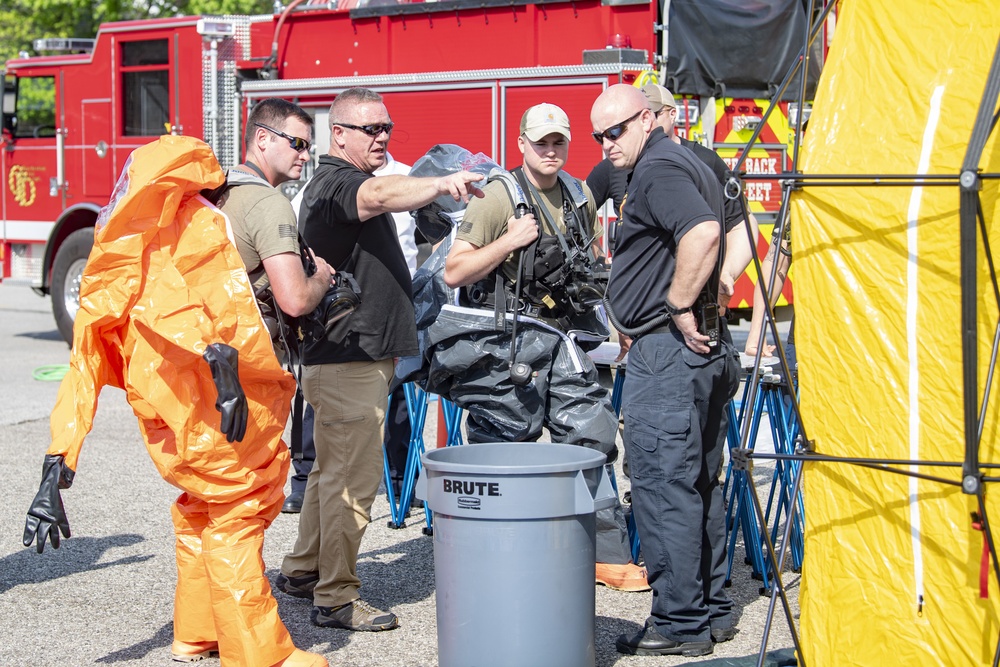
x,y
605,181
682,370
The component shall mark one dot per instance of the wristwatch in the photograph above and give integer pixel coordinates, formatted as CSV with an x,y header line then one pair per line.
x,y
674,311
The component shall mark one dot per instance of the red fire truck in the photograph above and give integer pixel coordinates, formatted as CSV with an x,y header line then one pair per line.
x,y
454,71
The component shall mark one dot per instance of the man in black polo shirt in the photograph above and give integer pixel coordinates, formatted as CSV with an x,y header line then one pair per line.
x,y
664,281
607,182
344,217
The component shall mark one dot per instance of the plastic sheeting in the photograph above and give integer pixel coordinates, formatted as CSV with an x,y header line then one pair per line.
x,y
892,564
736,48
436,220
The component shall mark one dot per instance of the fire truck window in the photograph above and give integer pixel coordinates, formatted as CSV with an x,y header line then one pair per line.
x,y
147,103
150,52
146,87
35,112
9,110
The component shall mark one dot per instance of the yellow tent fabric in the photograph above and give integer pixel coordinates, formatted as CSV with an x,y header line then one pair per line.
x,y
892,567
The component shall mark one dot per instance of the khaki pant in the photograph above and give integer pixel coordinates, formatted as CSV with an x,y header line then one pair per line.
x,y
350,402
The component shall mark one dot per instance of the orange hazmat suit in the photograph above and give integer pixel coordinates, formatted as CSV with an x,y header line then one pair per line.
x,y
163,282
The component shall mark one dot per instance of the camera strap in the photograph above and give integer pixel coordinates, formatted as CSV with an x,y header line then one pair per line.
x,y
499,302
293,361
517,195
254,168
520,191
298,415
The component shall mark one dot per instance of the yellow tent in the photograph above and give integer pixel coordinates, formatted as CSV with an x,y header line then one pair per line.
x,y
893,563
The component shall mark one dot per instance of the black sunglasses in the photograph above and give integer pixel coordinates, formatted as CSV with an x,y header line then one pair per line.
x,y
298,145
371,130
615,132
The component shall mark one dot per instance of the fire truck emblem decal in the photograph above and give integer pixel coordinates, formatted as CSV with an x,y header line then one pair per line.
x,y
22,185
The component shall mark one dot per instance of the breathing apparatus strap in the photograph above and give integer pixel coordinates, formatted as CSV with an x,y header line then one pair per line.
x,y
571,213
528,253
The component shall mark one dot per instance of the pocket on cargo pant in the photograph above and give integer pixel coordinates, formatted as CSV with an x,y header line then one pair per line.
x,y
657,440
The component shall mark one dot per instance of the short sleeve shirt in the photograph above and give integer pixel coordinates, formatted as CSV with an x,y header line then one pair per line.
x,y
670,193
607,182
383,326
263,223
485,219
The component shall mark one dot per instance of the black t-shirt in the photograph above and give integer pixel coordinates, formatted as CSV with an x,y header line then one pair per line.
x,y
606,182
670,193
383,326
732,210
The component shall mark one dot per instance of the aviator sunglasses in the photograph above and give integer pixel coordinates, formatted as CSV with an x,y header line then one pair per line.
x,y
298,145
371,130
615,132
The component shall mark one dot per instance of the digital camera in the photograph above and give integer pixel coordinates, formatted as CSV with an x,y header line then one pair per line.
x,y
342,299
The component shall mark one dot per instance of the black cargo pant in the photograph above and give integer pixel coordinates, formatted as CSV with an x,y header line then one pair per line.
x,y
675,435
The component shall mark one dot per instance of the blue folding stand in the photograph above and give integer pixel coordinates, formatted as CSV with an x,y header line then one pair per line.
x,y
772,395
416,405
616,405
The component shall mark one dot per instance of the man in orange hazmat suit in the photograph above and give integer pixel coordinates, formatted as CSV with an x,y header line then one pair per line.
x,y
167,313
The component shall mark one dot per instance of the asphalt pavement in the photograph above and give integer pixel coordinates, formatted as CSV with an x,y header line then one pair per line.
x,y
106,596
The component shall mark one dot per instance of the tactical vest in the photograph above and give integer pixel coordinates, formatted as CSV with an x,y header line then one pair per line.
x,y
561,280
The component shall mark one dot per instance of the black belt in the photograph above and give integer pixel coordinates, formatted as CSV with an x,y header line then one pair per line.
x,y
663,328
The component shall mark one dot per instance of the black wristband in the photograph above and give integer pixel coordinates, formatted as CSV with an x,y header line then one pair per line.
x,y
674,311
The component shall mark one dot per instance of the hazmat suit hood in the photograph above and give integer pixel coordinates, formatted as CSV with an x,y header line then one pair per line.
x,y
164,281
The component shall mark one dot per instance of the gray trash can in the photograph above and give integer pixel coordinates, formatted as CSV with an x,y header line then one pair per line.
x,y
514,533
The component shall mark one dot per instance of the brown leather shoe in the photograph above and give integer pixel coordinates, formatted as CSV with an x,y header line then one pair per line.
x,y
300,658
629,577
193,651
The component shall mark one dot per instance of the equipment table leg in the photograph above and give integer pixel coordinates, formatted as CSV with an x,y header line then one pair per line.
x,y
739,513
453,427
416,403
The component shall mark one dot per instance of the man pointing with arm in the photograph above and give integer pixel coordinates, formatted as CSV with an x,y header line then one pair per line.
x,y
345,218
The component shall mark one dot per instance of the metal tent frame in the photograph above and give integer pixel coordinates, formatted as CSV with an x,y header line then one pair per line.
x,y
971,225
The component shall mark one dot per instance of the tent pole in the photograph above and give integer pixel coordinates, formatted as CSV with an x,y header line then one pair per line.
x,y
970,185
786,538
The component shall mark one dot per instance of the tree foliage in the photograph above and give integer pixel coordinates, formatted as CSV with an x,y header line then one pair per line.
x,y
22,21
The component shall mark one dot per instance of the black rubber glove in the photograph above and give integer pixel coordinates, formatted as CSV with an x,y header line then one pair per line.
x,y
232,402
46,516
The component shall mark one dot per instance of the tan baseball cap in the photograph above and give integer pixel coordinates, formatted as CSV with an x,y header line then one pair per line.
x,y
658,97
544,119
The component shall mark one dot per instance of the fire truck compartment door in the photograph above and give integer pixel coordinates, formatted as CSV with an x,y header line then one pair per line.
x,y
96,140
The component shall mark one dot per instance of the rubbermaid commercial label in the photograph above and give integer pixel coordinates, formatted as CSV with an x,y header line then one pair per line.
x,y
470,493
